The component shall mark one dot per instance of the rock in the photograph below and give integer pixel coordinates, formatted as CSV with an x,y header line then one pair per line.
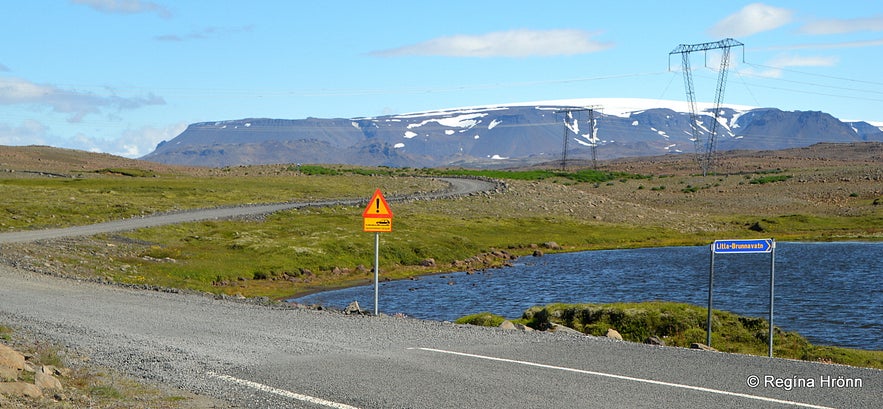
x,y
20,389
11,358
697,345
613,334
353,308
45,381
508,325
8,374
537,253
551,245
654,340
429,262
565,329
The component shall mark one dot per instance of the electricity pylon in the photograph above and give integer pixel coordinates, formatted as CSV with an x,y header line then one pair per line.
x,y
705,149
575,128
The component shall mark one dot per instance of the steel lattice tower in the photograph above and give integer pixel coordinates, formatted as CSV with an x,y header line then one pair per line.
x,y
705,149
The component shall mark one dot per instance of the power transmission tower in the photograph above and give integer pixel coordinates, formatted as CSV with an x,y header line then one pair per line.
x,y
705,151
575,128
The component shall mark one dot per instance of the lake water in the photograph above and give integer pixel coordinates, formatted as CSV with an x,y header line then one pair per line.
x,y
829,292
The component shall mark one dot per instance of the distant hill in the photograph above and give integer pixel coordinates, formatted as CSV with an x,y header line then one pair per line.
x,y
501,136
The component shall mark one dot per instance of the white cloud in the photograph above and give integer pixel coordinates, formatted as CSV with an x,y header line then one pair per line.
x,y
17,91
208,32
140,142
752,19
29,132
513,43
840,26
801,61
774,67
125,7
133,143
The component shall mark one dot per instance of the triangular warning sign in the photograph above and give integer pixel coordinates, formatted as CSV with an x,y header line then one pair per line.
x,y
377,206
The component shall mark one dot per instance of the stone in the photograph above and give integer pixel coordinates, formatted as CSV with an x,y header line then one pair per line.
x,y
8,374
508,325
697,345
551,245
353,308
654,340
20,389
613,334
45,381
537,253
429,262
11,358
565,329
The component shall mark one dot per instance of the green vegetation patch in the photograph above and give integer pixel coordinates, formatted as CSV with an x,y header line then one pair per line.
x,y
681,325
769,179
483,319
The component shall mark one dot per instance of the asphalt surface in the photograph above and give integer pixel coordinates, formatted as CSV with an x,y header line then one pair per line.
x,y
256,356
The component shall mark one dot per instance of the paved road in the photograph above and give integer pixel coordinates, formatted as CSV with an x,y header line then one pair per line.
x,y
266,357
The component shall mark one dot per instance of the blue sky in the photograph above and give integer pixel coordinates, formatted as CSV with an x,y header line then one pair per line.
x,y
119,76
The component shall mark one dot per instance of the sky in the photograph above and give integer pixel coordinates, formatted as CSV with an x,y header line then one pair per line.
x,y
120,76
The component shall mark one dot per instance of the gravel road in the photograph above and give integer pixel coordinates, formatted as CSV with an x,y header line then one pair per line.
x,y
458,187
265,356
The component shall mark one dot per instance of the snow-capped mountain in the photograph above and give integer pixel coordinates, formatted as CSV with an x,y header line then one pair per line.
x,y
503,135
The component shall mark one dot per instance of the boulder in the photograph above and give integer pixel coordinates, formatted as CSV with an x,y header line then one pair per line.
x,y
551,245
20,389
507,325
613,334
11,358
45,381
565,329
429,262
8,374
654,340
697,345
353,308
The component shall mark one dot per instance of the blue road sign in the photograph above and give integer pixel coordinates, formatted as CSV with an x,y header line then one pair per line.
x,y
743,246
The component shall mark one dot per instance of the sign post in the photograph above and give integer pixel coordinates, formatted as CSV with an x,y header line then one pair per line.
x,y
377,218
743,247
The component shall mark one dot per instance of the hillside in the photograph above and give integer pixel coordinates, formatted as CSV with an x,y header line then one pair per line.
x,y
503,136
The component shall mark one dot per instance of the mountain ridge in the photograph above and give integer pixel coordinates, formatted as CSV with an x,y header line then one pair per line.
x,y
504,135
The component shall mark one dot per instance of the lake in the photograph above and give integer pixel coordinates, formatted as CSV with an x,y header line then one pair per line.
x,y
829,292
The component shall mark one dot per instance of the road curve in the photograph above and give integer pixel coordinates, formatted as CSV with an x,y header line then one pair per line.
x,y
458,187
265,356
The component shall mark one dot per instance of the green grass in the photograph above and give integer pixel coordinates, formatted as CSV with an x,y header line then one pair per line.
x,y
769,179
33,203
681,325
5,333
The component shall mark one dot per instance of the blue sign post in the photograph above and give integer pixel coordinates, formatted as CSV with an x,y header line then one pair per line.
x,y
743,247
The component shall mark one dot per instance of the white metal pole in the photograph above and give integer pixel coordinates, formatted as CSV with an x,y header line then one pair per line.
x,y
376,272
710,286
772,286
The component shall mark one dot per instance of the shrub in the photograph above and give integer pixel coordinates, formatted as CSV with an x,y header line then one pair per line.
x,y
484,319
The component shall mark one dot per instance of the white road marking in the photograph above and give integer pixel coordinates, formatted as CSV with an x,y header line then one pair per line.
x,y
281,392
628,378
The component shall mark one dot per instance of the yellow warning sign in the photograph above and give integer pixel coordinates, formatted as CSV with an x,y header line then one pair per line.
x,y
377,217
